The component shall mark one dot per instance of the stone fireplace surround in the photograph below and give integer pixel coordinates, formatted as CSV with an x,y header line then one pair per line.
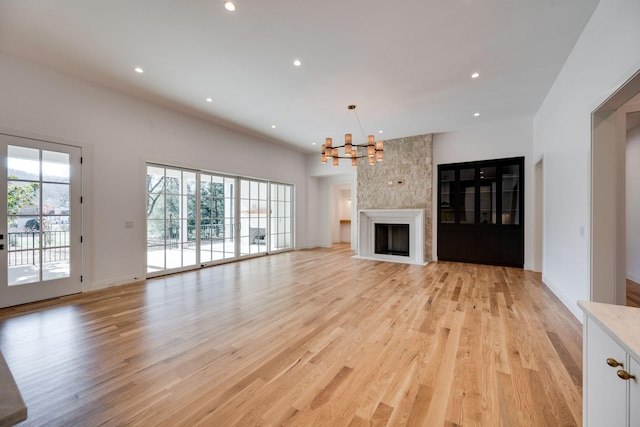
x,y
367,220
401,182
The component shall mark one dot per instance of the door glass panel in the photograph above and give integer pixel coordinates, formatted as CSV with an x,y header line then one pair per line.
x,y
488,195
253,217
38,215
280,222
511,194
467,196
447,196
171,218
216,218
55,166
23,163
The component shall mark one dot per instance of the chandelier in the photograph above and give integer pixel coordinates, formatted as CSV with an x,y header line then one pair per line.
x,y
372,150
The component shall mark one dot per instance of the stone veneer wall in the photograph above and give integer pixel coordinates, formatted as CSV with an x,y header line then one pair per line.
x,y
401,181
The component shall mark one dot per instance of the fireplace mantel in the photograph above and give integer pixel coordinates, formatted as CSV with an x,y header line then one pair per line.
x,y
366,228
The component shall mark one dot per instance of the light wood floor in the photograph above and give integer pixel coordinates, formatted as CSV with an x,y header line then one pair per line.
x,y
303,338
633,294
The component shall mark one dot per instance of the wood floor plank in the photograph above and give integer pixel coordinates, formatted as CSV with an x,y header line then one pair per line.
x,y
302,338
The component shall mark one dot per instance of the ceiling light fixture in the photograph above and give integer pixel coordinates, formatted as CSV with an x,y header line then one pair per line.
x,y
209,100
476,114
273,126
475,75
374,150
230,6
138,70
297,62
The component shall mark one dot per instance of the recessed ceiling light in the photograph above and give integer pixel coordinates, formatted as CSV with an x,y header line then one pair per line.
x,y
209,100
476,114
380,131
273,126
139,70
297,62
230,6
475,75
313,143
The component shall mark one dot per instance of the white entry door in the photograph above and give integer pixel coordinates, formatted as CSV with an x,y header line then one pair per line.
x,y
40,220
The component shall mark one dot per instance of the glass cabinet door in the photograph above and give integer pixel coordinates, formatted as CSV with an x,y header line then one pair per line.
x,y
447,196
481,212
481,193
511,194
467,196
488,195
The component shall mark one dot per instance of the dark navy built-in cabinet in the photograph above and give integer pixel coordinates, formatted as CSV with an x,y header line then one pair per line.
x,y
481,212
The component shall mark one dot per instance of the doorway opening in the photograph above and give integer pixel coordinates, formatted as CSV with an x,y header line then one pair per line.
x,y
608,194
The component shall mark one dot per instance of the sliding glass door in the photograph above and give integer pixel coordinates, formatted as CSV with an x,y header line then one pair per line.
x,y
253,217
217,218
171,219
281,217
199,218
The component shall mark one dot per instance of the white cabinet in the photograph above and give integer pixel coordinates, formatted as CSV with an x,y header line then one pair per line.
x,y
611,369
606,402
634,395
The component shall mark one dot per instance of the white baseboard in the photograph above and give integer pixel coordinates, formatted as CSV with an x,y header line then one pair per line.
x,y
570,304
107,283
634,277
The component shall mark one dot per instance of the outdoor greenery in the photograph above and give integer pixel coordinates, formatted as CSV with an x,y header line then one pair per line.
x,y
20,195
166,195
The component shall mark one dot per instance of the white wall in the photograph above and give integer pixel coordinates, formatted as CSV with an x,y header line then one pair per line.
x,y
118,134
605,55
633,204
496,141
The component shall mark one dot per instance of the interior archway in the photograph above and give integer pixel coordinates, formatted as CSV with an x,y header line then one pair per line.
x,y
608,201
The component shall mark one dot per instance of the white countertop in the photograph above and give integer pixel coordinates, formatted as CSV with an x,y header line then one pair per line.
x,y
622,323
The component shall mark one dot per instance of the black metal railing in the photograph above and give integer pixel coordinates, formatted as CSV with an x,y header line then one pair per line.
x,y
24,247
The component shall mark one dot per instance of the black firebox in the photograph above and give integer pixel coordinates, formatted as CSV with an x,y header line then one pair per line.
x,y
392,239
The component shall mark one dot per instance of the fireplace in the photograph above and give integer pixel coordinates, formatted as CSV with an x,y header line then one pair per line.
x,y
392,239
395,235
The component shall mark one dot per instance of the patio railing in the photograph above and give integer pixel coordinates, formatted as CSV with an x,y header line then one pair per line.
x,y
24,247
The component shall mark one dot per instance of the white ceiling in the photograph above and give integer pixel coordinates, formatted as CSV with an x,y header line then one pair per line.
x,y
407,65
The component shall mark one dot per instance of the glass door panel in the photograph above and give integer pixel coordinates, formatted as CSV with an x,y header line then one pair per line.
x,y
281,217
189,213
253,217
467,196
41,259
217,218
171,219
511,194
488,195
447,197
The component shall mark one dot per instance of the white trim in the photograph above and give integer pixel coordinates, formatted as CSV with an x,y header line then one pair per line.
x,y
633,277
366,228
570,304
107,283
